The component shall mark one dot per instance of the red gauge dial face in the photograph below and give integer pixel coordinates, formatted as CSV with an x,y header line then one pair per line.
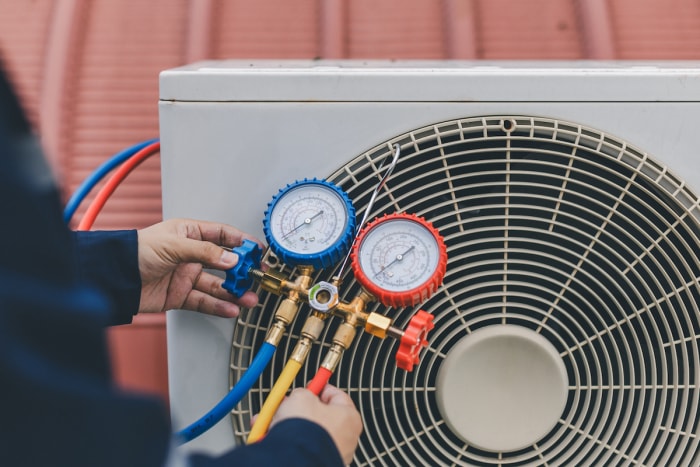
x,y
400,259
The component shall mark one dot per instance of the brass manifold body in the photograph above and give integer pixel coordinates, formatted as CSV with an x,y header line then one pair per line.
x,y
353,313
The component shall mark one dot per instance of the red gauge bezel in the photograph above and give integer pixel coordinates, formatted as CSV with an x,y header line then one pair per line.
x,y
410,297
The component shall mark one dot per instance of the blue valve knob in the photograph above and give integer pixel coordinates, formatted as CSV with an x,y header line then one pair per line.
x,y
238,279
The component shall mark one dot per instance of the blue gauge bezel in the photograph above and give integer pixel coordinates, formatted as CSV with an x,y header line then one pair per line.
x,y
322,259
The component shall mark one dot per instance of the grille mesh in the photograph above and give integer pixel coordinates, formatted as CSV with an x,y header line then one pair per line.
x,y
558,228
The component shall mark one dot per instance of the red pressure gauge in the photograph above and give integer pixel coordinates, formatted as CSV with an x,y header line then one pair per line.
x,y
400,259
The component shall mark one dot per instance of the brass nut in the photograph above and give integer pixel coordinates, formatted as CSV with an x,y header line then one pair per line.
x,y
344,335
332,358
287,310
377,325
301,350
272,281
313,327
275,333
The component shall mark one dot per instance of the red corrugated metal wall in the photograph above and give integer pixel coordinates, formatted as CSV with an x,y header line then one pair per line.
x,y
87,71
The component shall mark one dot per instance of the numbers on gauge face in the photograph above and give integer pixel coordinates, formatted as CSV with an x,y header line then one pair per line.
x,y
308,219
399,255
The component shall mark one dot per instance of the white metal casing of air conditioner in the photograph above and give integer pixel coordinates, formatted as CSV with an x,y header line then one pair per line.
x,y
234,132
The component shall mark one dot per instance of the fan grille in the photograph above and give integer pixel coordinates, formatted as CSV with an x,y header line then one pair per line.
x,y
551,226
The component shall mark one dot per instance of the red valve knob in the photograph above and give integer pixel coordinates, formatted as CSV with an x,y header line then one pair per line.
x,y
413,340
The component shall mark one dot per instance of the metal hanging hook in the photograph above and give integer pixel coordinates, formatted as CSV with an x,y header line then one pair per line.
x,y
370,205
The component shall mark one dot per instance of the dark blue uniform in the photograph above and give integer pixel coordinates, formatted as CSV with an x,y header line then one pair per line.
x,y
58,291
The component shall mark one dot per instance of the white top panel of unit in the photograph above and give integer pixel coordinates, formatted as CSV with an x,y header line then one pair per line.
x,y
432,81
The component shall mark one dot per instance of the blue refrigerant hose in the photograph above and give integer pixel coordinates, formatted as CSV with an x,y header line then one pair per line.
x,y
261,359
89,183
220,410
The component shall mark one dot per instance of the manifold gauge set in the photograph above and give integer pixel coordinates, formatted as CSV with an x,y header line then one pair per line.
x,y
399,259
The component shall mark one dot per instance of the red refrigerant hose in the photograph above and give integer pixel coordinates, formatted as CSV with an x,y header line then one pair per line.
x,y
119,175
319,380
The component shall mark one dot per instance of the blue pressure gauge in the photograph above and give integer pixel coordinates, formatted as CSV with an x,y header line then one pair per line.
x,y
311,223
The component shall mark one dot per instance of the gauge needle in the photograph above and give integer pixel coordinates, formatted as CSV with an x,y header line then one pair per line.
x,y
306,222
398,258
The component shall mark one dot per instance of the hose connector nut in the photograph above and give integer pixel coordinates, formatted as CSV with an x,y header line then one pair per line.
x,y
378,325
323,297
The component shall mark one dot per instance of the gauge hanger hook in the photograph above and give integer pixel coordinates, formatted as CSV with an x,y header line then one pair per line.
x,y
370,205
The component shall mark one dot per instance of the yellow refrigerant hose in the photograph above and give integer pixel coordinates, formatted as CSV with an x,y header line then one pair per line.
x,y
273,401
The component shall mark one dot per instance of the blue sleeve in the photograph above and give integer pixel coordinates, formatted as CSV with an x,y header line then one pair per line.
x,y
58,291
108,260
290,443
59,405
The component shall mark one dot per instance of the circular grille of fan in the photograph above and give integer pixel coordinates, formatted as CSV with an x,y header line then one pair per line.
x,y
550,226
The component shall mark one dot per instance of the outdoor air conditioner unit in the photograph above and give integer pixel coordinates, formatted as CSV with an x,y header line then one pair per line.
x,y
567,326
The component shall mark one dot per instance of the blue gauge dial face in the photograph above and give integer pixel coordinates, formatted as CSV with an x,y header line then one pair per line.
x,y
398,255
308,219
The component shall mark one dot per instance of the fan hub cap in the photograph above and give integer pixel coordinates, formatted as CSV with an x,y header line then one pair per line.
x,y
502,388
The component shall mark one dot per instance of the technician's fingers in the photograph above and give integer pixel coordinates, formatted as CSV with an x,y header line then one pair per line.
x,y
347,422
205,303
211,284
186,250
184,240
214,232
333,396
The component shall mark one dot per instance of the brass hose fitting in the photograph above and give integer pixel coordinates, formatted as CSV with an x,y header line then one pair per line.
x,y
271,281
275,332
313,326
276,283
342,340
332,358
284,315
378,325
355,310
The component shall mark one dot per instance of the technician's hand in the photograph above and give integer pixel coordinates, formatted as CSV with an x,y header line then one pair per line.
x,y
172,258
334,410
